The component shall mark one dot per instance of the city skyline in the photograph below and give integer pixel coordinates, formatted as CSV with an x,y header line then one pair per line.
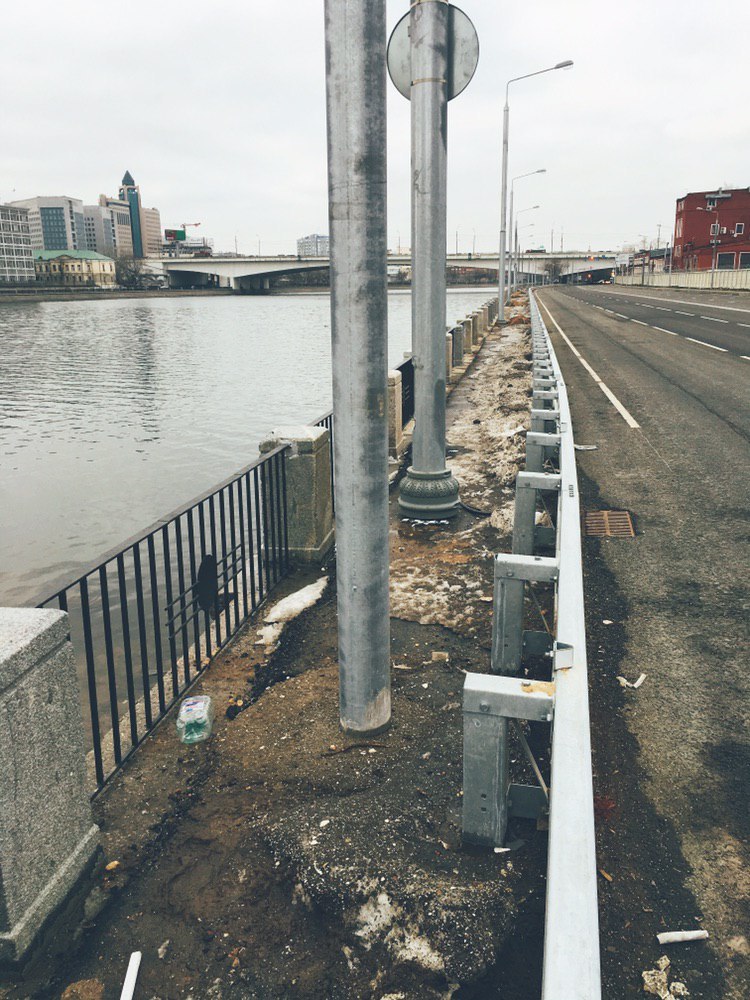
x,y
237,139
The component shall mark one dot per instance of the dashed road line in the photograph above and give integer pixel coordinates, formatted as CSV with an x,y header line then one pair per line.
x,y
661,328
625,414
621,315
704,344
713,319
663,309
745,357
639,322
747,327
681,313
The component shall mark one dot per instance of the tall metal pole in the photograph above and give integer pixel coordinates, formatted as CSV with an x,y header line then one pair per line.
x,y
429,491
356,112
503,215
511,268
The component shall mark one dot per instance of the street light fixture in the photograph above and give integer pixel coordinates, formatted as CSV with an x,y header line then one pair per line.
x,y
519,177
504,183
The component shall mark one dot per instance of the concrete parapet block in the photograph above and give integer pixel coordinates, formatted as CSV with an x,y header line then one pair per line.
x,y
448,357
47,834
476,336
396,443
468,335
308,489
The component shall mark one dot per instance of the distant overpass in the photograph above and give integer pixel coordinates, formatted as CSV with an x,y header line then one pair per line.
x,y
253,274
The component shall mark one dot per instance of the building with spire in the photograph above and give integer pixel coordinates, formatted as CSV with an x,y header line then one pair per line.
x,y
145,223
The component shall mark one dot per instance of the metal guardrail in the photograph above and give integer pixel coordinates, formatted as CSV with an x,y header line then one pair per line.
x,y
494,702
147,618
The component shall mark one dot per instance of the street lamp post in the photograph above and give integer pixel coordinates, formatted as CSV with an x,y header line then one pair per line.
x,y
516,259
519,177
504,185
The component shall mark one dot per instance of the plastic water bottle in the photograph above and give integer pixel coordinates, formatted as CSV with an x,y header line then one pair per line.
x,y
195,719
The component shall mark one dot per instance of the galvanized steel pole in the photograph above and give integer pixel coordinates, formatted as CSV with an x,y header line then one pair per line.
x,y
503,214
429,491
356,107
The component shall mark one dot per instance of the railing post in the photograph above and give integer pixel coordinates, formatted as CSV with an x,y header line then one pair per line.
x,y
47,834
355,33
512,572
309,502
395,414
524,518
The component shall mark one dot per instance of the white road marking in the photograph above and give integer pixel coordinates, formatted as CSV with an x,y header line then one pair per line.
x,y
681,313
714,319
745,357
747,326
647,307
663,309
627,417
639,321
621,315
661,328
704,344
679,302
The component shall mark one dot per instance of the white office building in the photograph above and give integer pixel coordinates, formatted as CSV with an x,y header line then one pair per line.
x,y
314,245
16,254
55,222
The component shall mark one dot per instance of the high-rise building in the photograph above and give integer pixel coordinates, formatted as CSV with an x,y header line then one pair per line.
x,y
16,260
122,233
145,223
55,222
314,245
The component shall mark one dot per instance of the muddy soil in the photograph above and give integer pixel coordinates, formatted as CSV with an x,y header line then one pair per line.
x,y
280,859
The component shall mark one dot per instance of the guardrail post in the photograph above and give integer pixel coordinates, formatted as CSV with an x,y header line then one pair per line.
x,y
541,418
512,572
47,835
539,447
448,356
525,532
488,705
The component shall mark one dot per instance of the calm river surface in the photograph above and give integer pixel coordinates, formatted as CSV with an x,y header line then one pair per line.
x,y
113,413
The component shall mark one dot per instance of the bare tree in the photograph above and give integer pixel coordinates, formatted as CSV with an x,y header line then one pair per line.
x,y
130,272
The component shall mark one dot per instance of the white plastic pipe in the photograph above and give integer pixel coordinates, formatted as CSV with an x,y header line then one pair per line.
x,y
128,987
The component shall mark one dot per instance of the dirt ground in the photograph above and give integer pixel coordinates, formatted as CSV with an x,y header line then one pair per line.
x,y
281,859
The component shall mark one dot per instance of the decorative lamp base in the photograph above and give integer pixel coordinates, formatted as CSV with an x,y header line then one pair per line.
x,y
429,496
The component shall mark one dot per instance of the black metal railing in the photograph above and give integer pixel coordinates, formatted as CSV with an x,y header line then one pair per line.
x,y
147,618
407,390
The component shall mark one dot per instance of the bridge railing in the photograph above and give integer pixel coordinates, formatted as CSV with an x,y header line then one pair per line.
x,y
546,557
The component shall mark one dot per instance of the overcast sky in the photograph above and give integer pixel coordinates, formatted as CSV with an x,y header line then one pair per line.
x,y
218,110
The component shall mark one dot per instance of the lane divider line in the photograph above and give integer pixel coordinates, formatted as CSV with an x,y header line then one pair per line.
x,y
663,309
681,313
622,316
704,344
745,357
661,328
640,322
626,416
713,319
747,326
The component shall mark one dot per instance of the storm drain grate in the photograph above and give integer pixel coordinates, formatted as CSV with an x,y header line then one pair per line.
x,y
608,524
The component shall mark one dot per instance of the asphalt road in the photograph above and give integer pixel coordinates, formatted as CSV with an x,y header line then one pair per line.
x,y
670,418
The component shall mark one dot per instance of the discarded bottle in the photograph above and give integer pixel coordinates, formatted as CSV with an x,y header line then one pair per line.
x,y
195,719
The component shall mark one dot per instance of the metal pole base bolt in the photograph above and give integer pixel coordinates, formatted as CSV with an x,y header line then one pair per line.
x,y
429,496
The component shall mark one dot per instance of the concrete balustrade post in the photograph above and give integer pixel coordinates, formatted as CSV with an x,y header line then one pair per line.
x,y
475,336
48,839
468,335
308,489
448,356
395,414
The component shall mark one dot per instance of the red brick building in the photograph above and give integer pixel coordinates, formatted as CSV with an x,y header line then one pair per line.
x,y
712,221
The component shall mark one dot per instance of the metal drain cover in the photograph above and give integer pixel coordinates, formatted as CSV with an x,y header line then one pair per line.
x,y
608,524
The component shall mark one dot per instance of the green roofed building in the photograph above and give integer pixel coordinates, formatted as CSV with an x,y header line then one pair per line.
x,y
77,268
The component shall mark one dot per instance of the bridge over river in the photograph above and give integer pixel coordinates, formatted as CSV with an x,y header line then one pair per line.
x,y
253,274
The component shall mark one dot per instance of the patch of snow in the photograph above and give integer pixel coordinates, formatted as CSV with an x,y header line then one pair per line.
x,y
294,604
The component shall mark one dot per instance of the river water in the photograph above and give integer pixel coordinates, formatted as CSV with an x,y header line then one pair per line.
x,y
113,413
